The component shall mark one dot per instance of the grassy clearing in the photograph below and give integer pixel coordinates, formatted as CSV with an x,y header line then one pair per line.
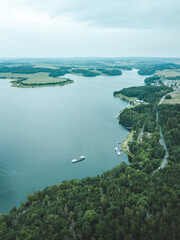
x,y
125,145
128,99
169,73
175,99
46,65
35,80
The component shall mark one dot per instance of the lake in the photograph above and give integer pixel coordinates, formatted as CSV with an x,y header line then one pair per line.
x,y
43,129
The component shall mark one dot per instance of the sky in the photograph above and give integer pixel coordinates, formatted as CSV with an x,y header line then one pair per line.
x,y
93,28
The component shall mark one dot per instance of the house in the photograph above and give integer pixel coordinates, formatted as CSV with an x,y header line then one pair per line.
x,y
138,101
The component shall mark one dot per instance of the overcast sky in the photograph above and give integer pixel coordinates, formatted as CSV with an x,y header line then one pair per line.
x,y
93,28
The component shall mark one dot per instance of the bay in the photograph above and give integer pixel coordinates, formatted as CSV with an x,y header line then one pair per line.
x,y
43,129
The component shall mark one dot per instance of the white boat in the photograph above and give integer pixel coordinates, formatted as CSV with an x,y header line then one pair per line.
x,y
75,160
117,151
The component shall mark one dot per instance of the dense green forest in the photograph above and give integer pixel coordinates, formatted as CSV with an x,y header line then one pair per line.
x,y
147,71
31,70
24,69
152,79
149,94
123,67
173,78
168,96
136,117
85,73
112,72
123,203
21,82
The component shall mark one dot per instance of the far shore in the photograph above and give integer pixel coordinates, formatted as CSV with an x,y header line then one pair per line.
x,y
33,85
35,80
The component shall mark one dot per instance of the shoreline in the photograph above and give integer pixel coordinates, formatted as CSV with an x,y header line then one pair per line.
x,y
19,84
125,98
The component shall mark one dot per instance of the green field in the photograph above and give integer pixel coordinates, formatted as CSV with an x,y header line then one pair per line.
x,y
175,99
125,144
35,80
46,65
169,73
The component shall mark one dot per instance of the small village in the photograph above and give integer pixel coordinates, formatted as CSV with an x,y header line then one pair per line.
x,y
175,84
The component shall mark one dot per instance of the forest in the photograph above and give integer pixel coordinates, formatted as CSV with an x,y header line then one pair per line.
x,y
122,203
136,117
152,79
61,71
26,69
173,78
112,72
149,94
151,69
21,82
85,73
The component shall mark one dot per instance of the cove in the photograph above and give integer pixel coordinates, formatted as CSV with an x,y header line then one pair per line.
x,y
43,129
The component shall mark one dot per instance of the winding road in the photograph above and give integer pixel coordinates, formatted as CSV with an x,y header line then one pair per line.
x,y
162,142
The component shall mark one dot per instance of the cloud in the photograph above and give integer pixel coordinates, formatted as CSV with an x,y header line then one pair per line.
x,y
71,28
132,14
115,13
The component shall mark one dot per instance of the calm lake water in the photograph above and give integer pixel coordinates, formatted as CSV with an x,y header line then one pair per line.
x,y
42,129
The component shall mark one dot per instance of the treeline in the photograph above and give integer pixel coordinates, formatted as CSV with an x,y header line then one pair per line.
x,y
32,70
149,94
21,82
123,67
112,72
61,71
52,72
169,117
138,116
115,67
123,203
173,78
151,69
152,79
58,72
91,73
85,73
24,70
147,71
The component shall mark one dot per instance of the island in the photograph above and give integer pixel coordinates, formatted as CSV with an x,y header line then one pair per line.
x,y
41,74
